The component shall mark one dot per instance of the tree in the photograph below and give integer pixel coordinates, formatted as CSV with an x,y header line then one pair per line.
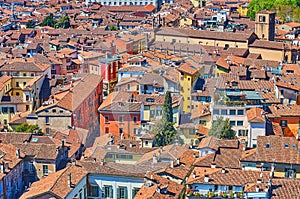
x,y
30,24
167,108
164,129
63,22
48,21
28,128
284,8
222,129
112,28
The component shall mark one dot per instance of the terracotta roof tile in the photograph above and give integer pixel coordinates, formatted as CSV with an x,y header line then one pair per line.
x,y
255,115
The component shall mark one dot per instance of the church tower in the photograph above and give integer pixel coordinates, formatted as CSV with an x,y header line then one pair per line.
x,y
265,25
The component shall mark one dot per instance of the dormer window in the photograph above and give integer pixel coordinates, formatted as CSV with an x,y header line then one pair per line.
x,y
286,145
234,83
149,99
268,145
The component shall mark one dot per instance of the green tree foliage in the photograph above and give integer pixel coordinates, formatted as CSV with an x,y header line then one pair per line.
x,y
164,129
28,128
49,21
30,24
167,108
287,10
63,22
222,129
112,28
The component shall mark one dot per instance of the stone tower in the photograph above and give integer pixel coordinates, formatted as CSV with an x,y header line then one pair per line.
x,y
265,25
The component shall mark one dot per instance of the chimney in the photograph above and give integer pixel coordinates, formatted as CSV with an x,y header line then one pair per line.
x,y
223,170
172,164
69,180
2,167
258,181
206,178
18,153
130,145
74,162
213,165
154,158
257,189
63,141
194,174
102,162
177,161
158,189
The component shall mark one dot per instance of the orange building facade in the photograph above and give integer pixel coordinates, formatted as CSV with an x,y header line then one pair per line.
x,y
120,119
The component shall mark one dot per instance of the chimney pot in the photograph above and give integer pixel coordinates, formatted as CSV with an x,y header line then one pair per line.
x,y
206,178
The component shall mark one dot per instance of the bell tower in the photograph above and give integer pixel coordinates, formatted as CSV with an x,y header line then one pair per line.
x,y
265,25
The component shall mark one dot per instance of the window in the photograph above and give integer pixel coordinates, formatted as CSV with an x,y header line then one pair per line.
x,y
135,131
121,118
216,112
17,94
286,145
47,120
106,119
27,97
268,145
27,107
283,123
17,84
223,112
243,133
146,143
4,110
240,123
128,86
175,119
94,191
11,109
121,131
262,19
108,191
31,167
202,122
24,84
53,110
146,108
106,130
45,170
5,121
122,193
290,173
152,113
232,112
240,112
294,146
232,123
135,120
134,191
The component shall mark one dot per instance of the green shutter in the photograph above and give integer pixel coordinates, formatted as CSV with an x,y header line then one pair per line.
x,y
125,193
118,193
111,192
